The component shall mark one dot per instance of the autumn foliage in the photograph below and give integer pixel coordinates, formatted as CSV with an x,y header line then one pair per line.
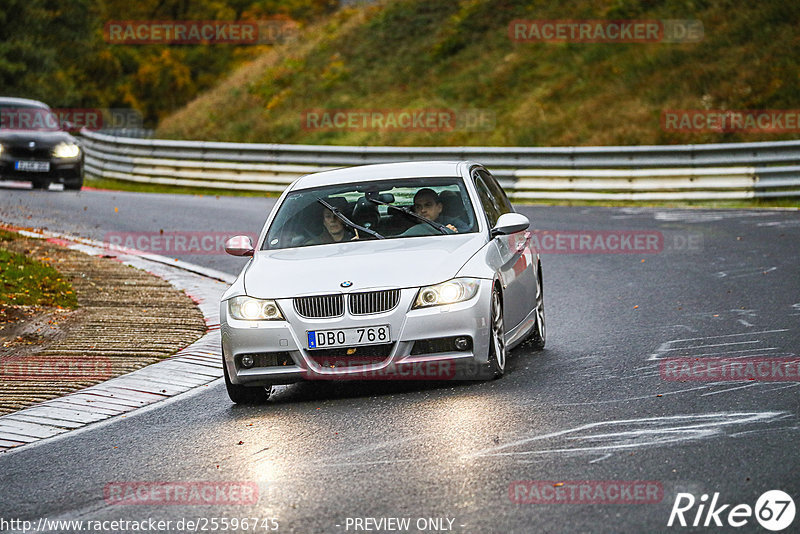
x,y
55,51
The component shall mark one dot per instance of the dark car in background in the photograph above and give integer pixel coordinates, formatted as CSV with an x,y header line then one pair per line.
x,y
35,148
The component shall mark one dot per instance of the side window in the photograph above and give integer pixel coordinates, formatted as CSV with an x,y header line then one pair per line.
x,y
488,201
501,199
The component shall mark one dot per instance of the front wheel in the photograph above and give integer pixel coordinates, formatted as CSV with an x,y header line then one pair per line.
x,y
73,186
243,394
497,337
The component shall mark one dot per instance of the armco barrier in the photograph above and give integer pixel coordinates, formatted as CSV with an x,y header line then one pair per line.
x,y
671,172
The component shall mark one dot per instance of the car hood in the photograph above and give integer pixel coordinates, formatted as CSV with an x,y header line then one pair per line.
x,y
42,138
390,263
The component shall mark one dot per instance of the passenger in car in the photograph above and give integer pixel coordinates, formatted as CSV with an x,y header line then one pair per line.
x,y
454,209
334,230
428,204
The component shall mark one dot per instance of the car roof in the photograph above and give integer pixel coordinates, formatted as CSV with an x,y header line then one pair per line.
x,y
8,100
380,171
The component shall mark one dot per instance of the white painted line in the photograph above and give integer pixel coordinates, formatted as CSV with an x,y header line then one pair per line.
x,y
123,394
52,412
751,384
714,345
58,423
68,405
669,345
29,429
633,433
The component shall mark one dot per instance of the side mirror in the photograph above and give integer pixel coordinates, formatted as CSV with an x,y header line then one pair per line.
x,y
510,223
239,245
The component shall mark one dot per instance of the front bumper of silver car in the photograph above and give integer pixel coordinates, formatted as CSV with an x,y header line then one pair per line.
x,y
437,343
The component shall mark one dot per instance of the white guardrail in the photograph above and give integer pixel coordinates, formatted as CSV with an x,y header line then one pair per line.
x,y
670,172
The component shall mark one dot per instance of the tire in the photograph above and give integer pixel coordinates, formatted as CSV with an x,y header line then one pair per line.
x,y
497,333
73,186
538,336
243,394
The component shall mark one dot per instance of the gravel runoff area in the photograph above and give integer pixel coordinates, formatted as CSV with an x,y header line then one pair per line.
x,y
127,319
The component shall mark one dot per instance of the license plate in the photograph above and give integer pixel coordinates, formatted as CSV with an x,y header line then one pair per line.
x,y
32,166
347,337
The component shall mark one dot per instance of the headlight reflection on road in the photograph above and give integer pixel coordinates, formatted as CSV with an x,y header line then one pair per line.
x,y
467,422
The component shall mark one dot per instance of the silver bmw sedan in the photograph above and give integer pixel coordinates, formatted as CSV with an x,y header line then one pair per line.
x,y
414,271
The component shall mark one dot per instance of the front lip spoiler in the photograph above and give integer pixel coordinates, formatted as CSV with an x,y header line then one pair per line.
x,y
438,367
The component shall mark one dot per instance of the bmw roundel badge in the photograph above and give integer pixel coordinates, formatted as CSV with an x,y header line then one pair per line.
x,y
346,283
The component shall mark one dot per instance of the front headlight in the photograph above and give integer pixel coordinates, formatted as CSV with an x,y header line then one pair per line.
x,y
1,149
250,309
66,150
450,292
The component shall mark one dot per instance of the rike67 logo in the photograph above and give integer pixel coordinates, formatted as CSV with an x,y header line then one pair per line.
x,y
774,510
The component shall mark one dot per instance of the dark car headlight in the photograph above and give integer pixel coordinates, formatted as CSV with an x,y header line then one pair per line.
x,y
66,150
450,292
250,309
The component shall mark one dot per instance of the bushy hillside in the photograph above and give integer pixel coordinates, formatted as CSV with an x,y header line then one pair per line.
x,y
56,51
457,55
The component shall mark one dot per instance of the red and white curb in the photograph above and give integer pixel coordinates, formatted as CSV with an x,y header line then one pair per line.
x,y
196,365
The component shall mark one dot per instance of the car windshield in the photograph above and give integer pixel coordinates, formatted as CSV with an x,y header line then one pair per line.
x,y
386,209
17,117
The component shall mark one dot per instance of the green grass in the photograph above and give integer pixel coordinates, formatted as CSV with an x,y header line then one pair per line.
x,y
122,185
28,282
416,54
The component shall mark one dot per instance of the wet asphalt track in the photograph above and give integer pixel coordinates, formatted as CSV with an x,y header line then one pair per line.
x,y
592,406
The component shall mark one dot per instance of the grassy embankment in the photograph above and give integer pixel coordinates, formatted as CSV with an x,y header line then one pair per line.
x,y
26,283
414,54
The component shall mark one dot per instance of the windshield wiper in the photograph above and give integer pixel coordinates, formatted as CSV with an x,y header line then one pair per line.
x,y
442,228
338,214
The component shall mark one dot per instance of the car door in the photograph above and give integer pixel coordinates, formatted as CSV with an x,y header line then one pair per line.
x,y
516,270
